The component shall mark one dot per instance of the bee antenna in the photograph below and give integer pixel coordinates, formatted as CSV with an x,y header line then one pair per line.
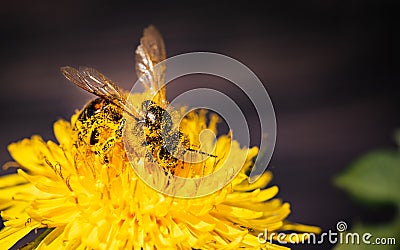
x,y
201,152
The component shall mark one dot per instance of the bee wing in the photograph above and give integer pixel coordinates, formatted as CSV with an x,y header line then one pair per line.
x,y
95,82
149,53
74,76
101,84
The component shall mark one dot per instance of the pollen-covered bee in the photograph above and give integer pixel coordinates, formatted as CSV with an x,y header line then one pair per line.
x,y
101,123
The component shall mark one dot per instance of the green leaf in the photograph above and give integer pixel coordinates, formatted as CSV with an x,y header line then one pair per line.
x,y
374,177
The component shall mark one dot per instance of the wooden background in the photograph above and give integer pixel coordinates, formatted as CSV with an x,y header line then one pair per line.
x,y
330,68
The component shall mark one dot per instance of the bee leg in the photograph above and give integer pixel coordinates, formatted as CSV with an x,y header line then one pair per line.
x,y
184,140
167,160
120,130
107,145
105,148
187,146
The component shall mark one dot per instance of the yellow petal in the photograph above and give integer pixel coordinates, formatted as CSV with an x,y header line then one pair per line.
x,y
11,180
261,182
11,235
196,223
62,132
237,212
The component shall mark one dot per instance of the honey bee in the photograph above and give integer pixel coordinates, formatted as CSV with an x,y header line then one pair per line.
x,y
101,123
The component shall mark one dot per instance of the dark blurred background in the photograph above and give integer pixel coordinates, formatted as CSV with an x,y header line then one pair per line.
x,y
330,68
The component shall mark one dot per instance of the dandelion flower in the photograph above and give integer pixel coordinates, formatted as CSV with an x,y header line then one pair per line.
x,y
106,206
86,198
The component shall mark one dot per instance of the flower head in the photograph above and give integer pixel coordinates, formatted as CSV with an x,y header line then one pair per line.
x,y
86,191
91,203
